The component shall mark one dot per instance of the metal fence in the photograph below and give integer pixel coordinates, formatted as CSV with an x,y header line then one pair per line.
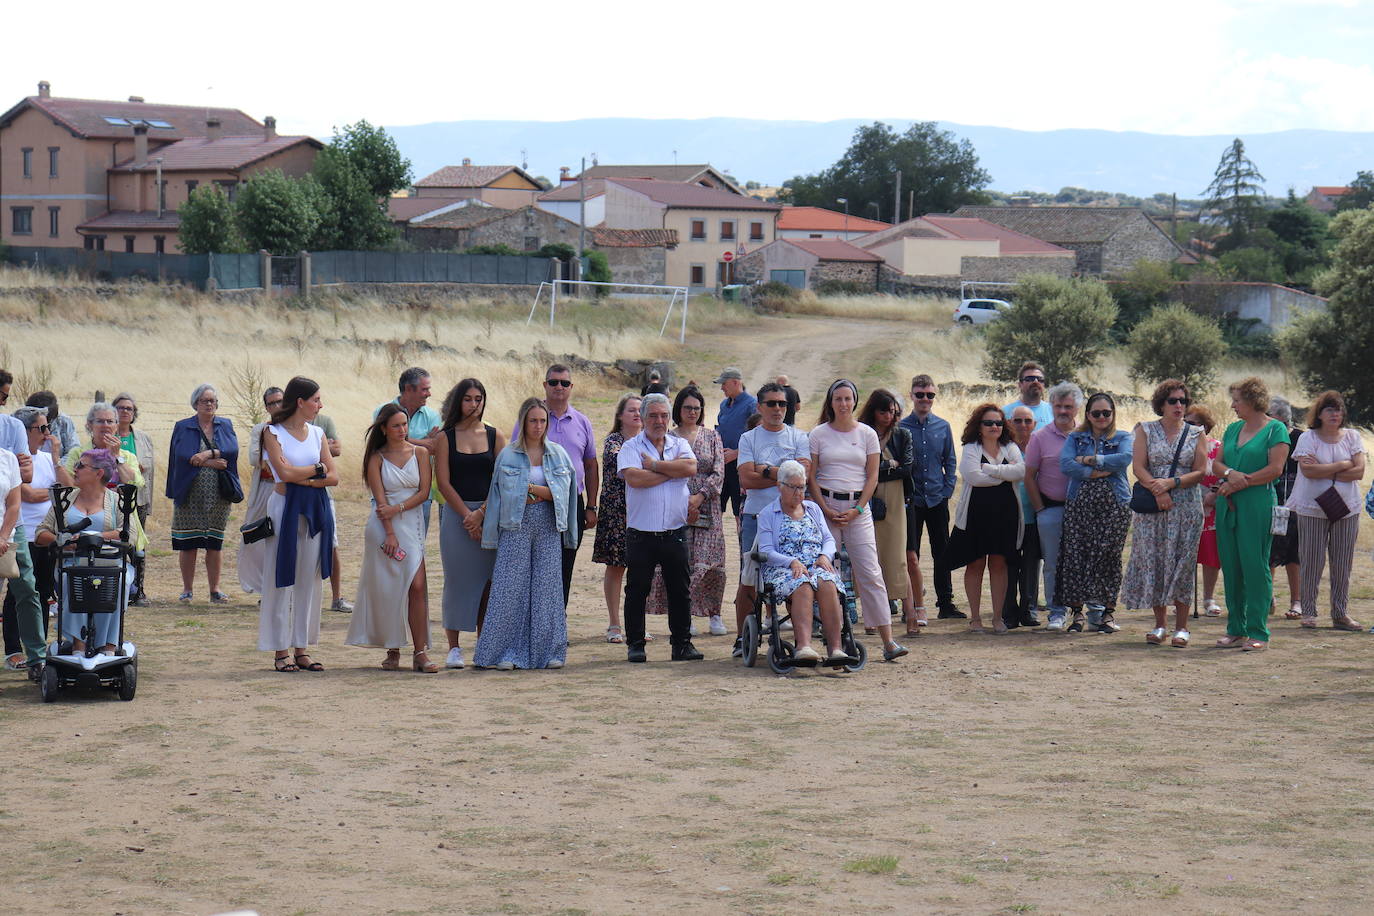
x,y
236,271
115,265
427,267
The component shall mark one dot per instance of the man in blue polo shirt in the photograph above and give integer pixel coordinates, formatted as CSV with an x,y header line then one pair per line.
x,y
735,411
933,472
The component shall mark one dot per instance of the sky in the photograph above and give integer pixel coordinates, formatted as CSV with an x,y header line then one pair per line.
x,y
1167,66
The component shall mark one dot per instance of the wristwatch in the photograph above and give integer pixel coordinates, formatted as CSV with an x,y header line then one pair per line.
x,y
764,472
591,508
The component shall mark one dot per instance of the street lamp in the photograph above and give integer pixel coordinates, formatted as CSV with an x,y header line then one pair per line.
x,y
845,201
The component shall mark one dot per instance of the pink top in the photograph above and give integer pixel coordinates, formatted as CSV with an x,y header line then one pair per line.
x,y
1042,455
1303,499
843,464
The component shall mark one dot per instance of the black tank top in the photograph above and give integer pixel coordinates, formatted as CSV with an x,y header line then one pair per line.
x,y
471,474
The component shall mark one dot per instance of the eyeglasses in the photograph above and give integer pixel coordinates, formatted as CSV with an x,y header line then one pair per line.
x,y
774,403
923,395
273,405
1099,414
993,423
124,408
80,465
104,421
208,402
1184,401
1033,378
558,382
793,486
42,429
1023,421
694,408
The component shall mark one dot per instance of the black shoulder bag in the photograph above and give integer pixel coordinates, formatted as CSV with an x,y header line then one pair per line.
x,y
1142,500
229,486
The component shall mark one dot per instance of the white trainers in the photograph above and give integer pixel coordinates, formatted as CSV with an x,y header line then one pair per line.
x,y
455,658
1056,623
1212,609
693,631
717,626
505,666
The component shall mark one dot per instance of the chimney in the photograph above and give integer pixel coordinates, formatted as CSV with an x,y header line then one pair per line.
x,y
140,144
135,98
1020,201
212,128
44,89
466,162
563,177
269,127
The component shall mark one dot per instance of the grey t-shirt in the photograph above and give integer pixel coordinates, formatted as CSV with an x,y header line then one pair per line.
x,y
761,446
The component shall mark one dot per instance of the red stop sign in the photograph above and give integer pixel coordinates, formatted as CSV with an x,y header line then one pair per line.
x,y
728,257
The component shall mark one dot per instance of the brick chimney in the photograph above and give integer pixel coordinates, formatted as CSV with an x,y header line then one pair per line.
x,y
563,177
140,144
466,162
212,128
44,89
269,127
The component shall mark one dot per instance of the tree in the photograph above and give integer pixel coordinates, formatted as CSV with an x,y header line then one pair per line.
x,y
277,213
351,216
1252,264
1236,194
1173,341
939,167
1303,239
1065,324
1143,287
1360,195
208,223
372,151
1334,347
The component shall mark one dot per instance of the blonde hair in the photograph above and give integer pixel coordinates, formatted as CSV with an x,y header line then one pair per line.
x,y
525,408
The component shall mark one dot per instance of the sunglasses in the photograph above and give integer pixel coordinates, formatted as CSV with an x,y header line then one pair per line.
x,y
80,465
993,423
558,382
42,429
1184,401
273,405
923,395
1033,378
774,403
1023,421
1099,414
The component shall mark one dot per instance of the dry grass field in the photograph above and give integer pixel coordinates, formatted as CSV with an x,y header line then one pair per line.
x,y
1028,773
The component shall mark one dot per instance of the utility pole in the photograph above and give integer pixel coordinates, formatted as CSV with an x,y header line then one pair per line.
x,y
897,200
582,209
911,204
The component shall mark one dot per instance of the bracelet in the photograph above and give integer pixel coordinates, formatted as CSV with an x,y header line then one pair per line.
x,y
861,509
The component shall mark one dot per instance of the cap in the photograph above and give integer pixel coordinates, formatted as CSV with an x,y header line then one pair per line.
x,y
730,372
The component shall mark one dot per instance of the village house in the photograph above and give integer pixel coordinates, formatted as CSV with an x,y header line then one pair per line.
x,y
507,186
1105,240
820,223
111,175
706,175
807,263
1324,198
965,249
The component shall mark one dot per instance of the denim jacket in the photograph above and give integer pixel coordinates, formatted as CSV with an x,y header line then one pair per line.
x,y
510,480
1116,452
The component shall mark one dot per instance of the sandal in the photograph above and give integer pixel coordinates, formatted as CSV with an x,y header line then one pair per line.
x,y
1293,613
1180,640
15,662
426,666
1254,645
1308,623
1077,625
277,663
309,664
1155,637
920,611
392,662
615,635
1213,609
218,598
1346,623
1230,642
184,597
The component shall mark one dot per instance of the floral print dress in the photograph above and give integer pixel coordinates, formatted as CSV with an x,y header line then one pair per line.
x,y
705,545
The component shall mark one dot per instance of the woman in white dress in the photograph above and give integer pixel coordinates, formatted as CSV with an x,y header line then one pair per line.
x,y
300,552
391,582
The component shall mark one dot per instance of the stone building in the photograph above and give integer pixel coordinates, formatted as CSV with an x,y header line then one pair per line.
x,y
806,263
1104,240
941,249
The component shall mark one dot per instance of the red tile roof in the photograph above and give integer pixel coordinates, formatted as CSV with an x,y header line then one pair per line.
x,y
1332,191
569,191
819,219
86,118
470,176
404,209
227,153
603,237
680,173
691,196
1011,242
115,220
467,217
833,250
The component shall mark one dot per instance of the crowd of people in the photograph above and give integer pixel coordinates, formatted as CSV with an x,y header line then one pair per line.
x,y
838,516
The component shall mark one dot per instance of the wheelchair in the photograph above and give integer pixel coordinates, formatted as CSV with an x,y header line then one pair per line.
x,y
769,606
92,581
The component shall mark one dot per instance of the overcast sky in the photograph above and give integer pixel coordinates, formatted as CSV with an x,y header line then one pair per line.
x,y
1167,66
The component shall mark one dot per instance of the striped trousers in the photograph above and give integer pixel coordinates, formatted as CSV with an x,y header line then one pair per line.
x,y
1318,539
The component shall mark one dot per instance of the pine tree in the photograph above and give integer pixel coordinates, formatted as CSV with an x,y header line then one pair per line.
x,y
1236,194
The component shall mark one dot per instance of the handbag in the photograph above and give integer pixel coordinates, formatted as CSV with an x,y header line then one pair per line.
x,y
1332,503
1142,500
878,506
1278,521
9,563
229,487
257,531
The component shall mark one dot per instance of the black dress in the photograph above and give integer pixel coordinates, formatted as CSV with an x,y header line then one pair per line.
x,y
992,525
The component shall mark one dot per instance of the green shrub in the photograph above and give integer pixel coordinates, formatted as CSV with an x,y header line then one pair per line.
x,y
1064,324
598,271
843,288
1173,341
498,248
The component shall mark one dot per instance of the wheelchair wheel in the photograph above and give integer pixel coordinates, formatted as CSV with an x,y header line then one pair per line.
x,y
749,641
860,653
128,681
47,684
780,656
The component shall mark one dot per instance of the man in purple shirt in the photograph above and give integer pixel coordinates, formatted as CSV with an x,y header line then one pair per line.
x,y
1047,487
655,467
570,428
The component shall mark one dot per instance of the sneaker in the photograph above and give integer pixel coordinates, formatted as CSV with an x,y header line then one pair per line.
x,y
786,625
693,630
950,612
1094,615
717,626
636,654
1056,623
342,606
555,664
505,666
686,653
893,651
738,650
455,658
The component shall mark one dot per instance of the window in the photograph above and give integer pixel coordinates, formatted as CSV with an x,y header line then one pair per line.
x,y
52,161
756,232
21,220
725,272
128,244
815,235
231,189
727,230
793,278
95,243
160,244
117,122
191,185
531,243
28,162
698,275
53,221
698,230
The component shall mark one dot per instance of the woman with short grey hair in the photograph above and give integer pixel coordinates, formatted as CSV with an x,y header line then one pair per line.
x,y
132,439
102,426
202,446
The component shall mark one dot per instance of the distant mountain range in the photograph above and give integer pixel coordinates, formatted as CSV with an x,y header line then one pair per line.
x,y
771,152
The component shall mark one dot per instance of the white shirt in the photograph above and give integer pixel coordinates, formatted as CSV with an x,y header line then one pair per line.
x,y
9,477
662,507
44,476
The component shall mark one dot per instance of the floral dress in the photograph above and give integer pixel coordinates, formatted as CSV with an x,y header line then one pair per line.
x,y
1163,566
705,546
799,539
609,546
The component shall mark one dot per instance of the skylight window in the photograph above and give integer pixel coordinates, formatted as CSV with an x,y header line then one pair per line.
x,y
117,122
162,124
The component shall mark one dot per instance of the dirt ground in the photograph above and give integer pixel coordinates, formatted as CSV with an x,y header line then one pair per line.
x,y
1022,773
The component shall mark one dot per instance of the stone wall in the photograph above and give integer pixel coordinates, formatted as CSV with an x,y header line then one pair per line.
x,y
1137,239
637,265
862,272
1008,270
1087,255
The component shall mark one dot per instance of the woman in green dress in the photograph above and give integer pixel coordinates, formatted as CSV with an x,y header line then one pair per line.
x,y
1252,454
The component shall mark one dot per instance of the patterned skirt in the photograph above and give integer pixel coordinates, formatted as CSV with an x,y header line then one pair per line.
x,y
1095,528
199,520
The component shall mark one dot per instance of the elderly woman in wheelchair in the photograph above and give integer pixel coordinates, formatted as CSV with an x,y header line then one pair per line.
x,y
796,552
